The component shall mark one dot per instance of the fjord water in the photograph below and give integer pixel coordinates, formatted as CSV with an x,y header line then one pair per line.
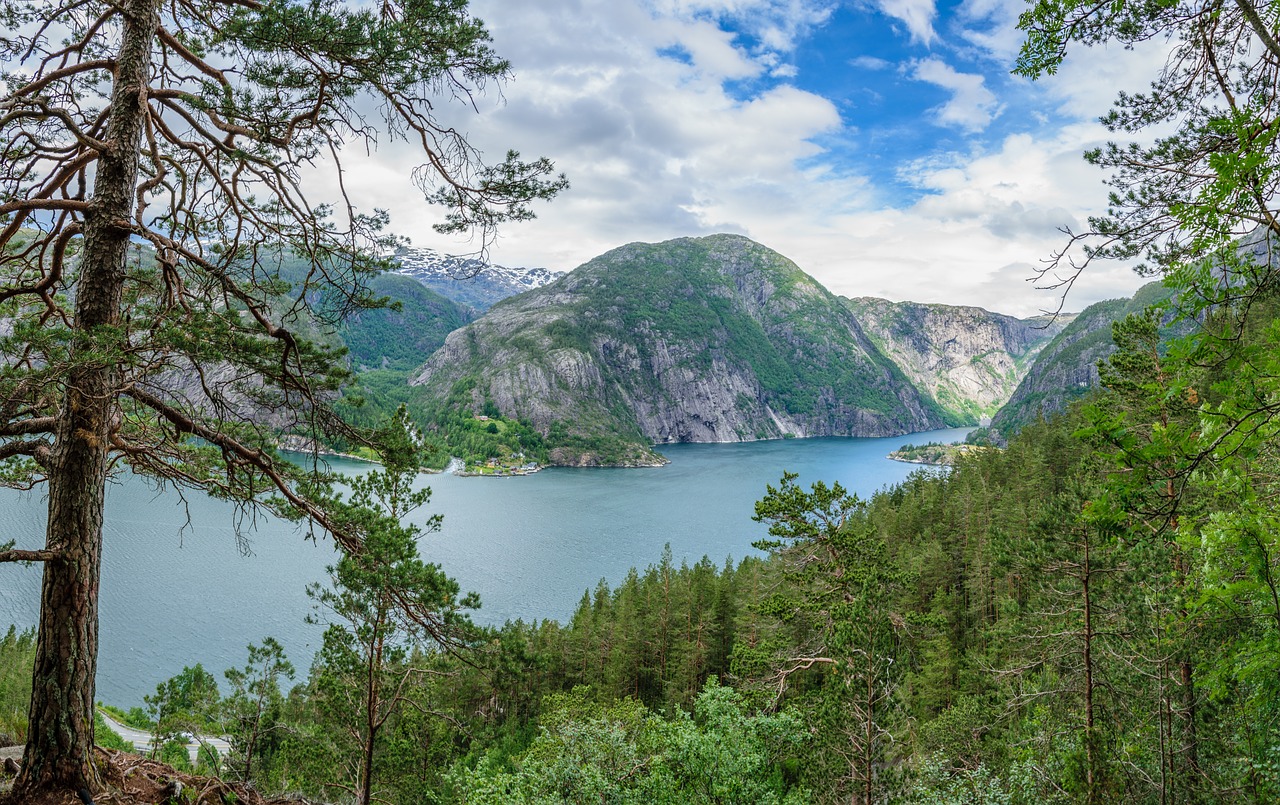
x,y
177,589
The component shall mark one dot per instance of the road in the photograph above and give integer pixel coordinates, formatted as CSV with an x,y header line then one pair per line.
x,y
141,739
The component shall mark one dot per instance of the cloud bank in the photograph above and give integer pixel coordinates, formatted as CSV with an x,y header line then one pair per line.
x,y
678,118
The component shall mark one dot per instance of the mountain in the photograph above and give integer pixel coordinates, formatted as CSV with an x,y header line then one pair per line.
x,y
469,281
714,339
969,360
401,339
1067,368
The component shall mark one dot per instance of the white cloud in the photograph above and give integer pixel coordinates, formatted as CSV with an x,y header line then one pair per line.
x,y
988,219
777,24
992,27
870,63
656,147
972,105
917,15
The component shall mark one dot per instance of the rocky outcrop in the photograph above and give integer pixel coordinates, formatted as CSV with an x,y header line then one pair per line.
x,y
969,360
713,339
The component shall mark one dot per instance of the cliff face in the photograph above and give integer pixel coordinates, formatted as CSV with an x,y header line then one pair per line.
x,y
969,360
714,339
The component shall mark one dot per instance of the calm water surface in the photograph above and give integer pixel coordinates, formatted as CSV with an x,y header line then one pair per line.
x,y
176,589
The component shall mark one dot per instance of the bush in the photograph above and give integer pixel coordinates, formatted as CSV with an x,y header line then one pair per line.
x,y
106,737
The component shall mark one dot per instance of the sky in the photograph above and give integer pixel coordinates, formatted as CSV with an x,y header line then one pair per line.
x,y
882,145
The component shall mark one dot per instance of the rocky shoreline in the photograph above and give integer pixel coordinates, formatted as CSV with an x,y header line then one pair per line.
x,y
933,454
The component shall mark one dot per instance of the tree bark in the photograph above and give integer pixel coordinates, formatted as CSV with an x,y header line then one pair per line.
x,y
59,749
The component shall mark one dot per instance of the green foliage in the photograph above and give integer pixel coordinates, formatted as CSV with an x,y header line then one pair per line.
x,y
1061,373
385,600
17,660
1187,196
842,632
134,717
623,753
106,737
186,703
454,427
1047,623
175,754
936,784
252,712
400,337
168,364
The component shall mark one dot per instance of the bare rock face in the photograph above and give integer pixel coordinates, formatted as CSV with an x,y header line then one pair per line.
x,y
713,339
969,360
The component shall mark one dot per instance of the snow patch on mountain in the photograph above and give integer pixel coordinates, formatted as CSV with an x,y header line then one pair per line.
x,y
468,280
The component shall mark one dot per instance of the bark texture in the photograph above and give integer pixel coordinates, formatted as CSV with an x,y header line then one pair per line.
x,y
60,743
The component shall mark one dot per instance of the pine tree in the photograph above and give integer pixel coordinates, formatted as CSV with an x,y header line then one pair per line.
x,y
251,712
186,127
384,601
841,608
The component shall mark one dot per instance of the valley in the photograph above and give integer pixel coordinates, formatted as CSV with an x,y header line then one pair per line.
x,y
714,339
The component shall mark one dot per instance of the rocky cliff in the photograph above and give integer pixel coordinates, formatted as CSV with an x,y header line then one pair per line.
x,y
714,339
969,360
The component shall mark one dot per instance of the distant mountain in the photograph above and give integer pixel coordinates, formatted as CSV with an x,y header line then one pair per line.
x,y
469,281
401,339
714,339
1067,368
969,360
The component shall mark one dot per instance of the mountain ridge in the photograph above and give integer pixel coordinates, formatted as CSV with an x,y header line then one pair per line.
x,y
1066,369
967,358
710,339
469,280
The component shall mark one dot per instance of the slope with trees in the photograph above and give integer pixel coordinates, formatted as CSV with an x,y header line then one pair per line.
x,y
1065,370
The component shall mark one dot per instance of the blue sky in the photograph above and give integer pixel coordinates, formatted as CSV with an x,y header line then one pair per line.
x,y
881,144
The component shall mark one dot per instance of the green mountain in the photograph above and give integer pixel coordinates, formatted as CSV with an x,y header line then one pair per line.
x,y
714,339
401,338
1067,368
967,359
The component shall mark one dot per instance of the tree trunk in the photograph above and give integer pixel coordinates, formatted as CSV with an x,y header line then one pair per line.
x,y
60,740
373,700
